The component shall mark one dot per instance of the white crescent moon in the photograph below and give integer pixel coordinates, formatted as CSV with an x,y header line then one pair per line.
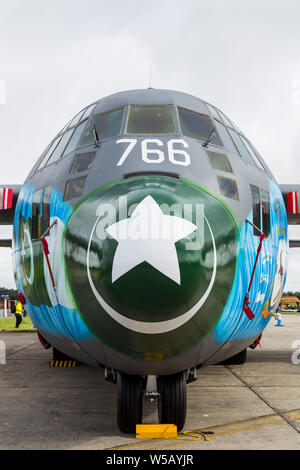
x,y
152,327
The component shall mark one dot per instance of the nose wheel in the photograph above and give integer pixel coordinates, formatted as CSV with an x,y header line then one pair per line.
x,y
130,402
172,399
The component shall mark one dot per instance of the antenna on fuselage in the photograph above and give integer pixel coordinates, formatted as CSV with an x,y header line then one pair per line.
x,y
150,77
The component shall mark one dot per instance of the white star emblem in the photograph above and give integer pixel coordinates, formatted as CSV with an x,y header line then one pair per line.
x,y
149,235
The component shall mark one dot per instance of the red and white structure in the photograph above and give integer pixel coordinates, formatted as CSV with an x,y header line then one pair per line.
x,y
6,198
294,202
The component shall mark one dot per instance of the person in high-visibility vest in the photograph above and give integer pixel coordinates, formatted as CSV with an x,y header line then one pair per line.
x,y
18,314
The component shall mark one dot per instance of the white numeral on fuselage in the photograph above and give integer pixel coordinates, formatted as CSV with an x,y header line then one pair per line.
x,y
131,143
151,155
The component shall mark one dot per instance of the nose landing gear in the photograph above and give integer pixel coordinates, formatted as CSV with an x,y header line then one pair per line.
x,y
169,392
130,402
172,399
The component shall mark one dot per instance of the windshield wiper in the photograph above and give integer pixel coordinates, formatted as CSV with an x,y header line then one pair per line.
x,y
205,144
96,136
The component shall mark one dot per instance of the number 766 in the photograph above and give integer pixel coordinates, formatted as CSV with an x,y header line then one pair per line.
x,y
154,154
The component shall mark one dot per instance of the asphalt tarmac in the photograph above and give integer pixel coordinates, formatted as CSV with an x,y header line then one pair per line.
x,y
251,406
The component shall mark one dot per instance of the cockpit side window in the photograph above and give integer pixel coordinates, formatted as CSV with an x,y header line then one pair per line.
x,y
47,191
224,134
225,119
219,161
228,187
241,148
148,120
198,126
88,111
41,212
252,153
49,152
73,142
266,219
82,162
68,139
77,119
63,145
36,228
213,111
74,188
256,207
220,117
103,126
82,116
60,147
261,210
245,150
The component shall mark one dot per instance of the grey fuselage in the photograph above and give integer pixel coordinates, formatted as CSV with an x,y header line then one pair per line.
x,y
98,320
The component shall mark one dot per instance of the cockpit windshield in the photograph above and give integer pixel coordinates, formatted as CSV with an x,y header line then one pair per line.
x,y
103,126
198,126
144,119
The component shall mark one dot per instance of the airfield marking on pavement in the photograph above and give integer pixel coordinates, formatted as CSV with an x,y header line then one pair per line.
x,y
231,431
252,389
257,422
20,349
270,425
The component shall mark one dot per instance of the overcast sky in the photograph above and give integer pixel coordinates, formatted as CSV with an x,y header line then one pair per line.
x,y
58,56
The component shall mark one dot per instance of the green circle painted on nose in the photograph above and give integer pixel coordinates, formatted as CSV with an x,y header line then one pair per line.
x,y
150,261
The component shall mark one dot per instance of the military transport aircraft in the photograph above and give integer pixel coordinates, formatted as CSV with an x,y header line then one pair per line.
x,y
150,239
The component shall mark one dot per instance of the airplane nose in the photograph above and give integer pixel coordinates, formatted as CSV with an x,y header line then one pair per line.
x,y
151,262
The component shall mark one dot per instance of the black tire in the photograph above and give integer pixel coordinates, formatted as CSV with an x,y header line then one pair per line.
x,y
172,400
236,360
130,402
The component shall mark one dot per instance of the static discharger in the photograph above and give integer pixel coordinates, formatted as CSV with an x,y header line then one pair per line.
x,y
156,431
